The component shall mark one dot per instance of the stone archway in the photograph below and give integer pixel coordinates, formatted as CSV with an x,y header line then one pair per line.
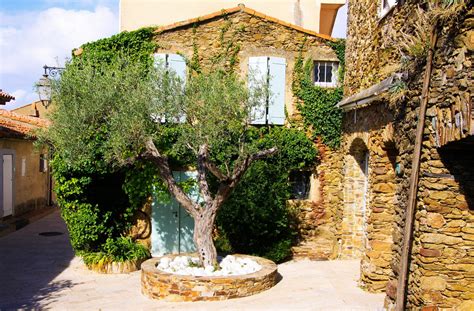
x,y
356,200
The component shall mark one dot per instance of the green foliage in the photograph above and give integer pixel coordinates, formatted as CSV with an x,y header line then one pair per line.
x,y
139,183
116,250
318,105
93,205
339,47
255,219
98,197
137,44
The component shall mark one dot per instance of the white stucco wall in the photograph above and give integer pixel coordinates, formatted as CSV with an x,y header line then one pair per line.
x,y
135,14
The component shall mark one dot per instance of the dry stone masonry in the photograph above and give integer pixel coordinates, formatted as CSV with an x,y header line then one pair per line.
x,y
441,262
158,284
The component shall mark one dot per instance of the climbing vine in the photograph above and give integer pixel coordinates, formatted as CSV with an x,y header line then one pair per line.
x,y
317,104
137,44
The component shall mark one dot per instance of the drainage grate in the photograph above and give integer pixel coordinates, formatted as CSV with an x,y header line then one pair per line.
x,y
50,233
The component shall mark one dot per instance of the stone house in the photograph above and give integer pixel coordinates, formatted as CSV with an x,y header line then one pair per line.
x,y
25,180
401,186
266,46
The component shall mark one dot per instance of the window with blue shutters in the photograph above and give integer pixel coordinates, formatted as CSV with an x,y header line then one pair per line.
x,y
272,70
177,64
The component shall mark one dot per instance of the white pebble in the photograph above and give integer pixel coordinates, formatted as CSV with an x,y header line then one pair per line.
x,y
230,265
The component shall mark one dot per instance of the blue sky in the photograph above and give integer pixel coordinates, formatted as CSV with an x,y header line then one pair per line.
x,y
38,32
12,6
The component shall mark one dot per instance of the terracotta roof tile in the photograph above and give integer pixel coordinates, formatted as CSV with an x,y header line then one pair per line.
x,y
249,11
20,124
5,97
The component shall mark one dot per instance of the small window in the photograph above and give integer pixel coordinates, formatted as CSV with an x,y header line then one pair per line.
x,y
325,73
300,182
386,6
43,163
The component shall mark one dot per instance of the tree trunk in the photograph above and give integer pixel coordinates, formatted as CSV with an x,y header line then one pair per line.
x,y
204,217
203,227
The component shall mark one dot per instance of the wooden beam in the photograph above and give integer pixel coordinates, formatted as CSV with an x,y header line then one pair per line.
x,y
415,170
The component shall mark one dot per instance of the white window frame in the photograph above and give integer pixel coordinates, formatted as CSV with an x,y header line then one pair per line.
x,y
334,73
384,10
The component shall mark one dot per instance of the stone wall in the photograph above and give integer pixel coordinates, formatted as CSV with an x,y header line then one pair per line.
x,y
369,193
441,258
318,222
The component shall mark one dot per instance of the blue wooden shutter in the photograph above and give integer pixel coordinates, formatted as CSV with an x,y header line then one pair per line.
x,y
159,58
172,228
258,70
177,63
276,106
164,224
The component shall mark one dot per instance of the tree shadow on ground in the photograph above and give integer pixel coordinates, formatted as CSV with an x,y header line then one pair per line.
x,y
30,263
48,294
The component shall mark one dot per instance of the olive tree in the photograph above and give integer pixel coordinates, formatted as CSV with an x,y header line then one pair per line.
x,y
117,109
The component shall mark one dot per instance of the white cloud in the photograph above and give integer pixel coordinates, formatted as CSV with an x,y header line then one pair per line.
x,y
30,40
52,33
23,97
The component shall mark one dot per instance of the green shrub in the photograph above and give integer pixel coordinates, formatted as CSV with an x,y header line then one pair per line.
x,y
93,205
116,250
255,219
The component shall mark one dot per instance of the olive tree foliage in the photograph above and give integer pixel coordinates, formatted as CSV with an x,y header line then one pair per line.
x,y
117,110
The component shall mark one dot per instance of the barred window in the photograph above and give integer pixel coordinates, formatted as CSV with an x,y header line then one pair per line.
x,y
325,73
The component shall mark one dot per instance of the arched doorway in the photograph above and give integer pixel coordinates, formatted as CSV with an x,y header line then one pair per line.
x,y
356,184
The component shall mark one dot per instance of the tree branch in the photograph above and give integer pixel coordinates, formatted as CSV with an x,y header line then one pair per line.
x,y
215,170
226,187
203,186
165,172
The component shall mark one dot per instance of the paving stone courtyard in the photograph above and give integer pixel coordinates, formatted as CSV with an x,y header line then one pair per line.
x,y
41,272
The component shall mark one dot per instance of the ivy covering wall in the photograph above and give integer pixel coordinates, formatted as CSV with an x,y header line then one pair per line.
x,y
318,104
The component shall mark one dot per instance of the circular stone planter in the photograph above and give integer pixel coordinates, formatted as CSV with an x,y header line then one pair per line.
x,y
117,267
158,284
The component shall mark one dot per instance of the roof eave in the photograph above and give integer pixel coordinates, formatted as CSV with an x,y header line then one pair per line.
x,y
368,96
